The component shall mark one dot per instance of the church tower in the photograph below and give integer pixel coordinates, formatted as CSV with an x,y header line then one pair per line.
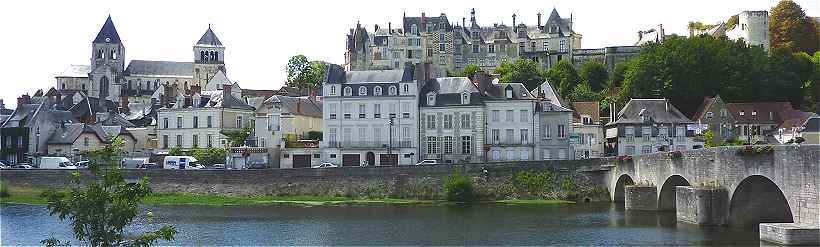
x,y
209,58
107,62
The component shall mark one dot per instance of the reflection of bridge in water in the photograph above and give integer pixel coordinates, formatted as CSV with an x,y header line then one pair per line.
x,y
776,191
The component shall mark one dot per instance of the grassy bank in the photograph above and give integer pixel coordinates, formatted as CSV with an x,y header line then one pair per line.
x,y
27,195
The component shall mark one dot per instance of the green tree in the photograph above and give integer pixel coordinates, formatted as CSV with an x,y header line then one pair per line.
x,y
583,92
469,71
175,151
564,75
616,78
732,22
525,71
458,188
210,156
304,74
789,27
594,74
101,208
236,138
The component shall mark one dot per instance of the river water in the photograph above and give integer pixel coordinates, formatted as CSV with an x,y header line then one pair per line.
x,y
487,224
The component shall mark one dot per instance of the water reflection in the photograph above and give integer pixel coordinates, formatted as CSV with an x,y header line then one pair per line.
x,y
582,224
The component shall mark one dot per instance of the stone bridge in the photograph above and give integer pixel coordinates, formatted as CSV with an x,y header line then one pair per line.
x,y
718,186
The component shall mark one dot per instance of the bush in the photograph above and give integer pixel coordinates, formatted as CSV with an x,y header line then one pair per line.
x,y
534,185
210,156
754,150
675,155
458,188
4,190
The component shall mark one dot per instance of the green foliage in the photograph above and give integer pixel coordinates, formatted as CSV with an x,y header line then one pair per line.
x,y
685,70
175,151
732,22
304,74
315,135
749,150
210,156
696,25
563,75
790,28
594,73
583,92
616,79
469,71
523,70
4,189
458,188
100,208
710,138
237,138
675,155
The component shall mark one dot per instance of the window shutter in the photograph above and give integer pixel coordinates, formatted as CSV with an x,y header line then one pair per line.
x,y
638,131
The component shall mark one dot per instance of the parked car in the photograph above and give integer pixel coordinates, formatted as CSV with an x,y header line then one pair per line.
x,y
22,166
218,166
428,162
257,165
147,166
4,164
81,164
56,163
326,165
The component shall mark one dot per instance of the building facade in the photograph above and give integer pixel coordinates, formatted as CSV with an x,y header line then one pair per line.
x,y
511,121
554,121
371,117
452,124
646,126
587,130
284,123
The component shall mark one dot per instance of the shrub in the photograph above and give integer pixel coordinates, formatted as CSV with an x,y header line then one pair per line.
x,y
458,188
4,190
675,155
754,150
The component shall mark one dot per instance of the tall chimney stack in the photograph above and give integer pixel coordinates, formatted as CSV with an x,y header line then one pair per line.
x,y
513,21
226,95
539,20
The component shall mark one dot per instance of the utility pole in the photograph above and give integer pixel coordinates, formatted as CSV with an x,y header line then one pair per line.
x,y
390,143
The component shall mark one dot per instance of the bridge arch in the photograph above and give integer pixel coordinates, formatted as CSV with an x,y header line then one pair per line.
x,y
757,199
667,195
620,187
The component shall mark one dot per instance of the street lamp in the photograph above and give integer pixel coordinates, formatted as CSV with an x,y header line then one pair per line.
x,y
37,146
390,142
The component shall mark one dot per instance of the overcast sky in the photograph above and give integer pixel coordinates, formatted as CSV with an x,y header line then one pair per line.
x,y
41,38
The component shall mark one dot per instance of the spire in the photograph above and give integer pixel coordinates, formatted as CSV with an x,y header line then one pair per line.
x,y
209,38
108,33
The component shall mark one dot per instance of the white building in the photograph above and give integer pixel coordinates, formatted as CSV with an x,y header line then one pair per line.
x,y
281,121
587,131
511,124
752,27
452,121
554,125
366,113
646,126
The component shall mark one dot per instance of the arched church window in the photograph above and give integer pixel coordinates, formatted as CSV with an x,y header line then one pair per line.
x,y
212,56
201,55
114,54
348,91
216,56
332,90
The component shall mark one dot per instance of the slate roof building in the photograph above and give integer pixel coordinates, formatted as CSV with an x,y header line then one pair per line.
x,y
24,134
452,125
511,122
76,140
588,130
754,122
646,126
282,122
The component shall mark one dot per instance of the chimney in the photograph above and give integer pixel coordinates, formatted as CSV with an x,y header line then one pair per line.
x,y
389,27
513,20
298,105
423,27
226,94
124,104
24,99
2,105
539,20
463,22
483,80
196,89
375,27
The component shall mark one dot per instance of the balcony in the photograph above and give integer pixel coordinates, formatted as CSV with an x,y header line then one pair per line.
x,y
369,144
513,143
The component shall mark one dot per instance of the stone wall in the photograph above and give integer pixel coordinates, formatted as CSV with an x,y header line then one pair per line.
x,y
416,182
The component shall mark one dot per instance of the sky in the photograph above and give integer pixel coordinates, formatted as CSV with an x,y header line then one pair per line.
x,y
40,39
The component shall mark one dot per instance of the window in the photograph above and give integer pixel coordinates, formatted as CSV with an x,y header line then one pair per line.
x,y
510,155
586,119
546,45
179,141
348,91
629,150
393,110
238,122
709,114
680,131
545,154
429,52
562,154
508,93
491,48
414,29
475,48
362,91
85,141
196,122
466,145
179,122
392,90
195,141
742,113
441,47
547,134
405,110
496,155
431,99
723,113
465,98
377,91
165,123
362,134
332,90
448,121
521,47
525,155
209,121
525,136
645,149
406,136
754,113
431,121
165,141
362,111
377,135
509,116
332,110
495,115
562,46
562,132
432,145
532,46
465,121
406,89
273,122
377,111
508,138
346,110
442,60
496,136
448,144
441,37
525,115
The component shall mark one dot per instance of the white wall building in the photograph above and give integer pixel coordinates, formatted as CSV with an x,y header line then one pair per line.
x,y
452,125
511,124
647,126
554,125
753,27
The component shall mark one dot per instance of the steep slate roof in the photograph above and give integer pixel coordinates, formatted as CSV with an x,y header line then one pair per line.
x,y
117,130
496,91
336,74
209,38
298,105
448,91
779,112
659,109
215,99
108,31
433,22
589,108
71,132
705,105
91,105
160,68
76,71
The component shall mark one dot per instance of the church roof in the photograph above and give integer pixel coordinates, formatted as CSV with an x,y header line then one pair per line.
x,y
76,71
160,68
108,31
209,38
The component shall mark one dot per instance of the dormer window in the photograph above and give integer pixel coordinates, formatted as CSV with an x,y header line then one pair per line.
x,y
465,98
406,89
431,99
414,29
742,113
508,93
362,91
586,119
377,91
332,90
348,91
392,90
709,114
754,113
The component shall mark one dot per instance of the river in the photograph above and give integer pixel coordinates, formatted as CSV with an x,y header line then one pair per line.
x,y
486,224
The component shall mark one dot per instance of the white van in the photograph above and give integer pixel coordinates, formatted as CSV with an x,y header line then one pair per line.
x,y
56,163
181,163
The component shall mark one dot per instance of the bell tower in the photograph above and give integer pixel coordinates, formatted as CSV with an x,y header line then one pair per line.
x,y
108,63
209,58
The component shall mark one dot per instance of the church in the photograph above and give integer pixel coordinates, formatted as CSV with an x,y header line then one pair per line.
x,y
107,77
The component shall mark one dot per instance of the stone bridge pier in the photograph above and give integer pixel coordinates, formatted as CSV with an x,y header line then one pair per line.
x,y
776,192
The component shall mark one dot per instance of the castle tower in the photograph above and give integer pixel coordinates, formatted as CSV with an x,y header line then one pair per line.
x,y
209,57
107,62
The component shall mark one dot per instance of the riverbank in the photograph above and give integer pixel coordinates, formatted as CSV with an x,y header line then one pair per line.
x,y
31,195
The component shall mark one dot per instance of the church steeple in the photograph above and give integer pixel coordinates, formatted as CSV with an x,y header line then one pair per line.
x,y
209,57
108,33
209,38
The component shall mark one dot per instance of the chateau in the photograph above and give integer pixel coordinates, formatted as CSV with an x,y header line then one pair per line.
x,y
107,77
